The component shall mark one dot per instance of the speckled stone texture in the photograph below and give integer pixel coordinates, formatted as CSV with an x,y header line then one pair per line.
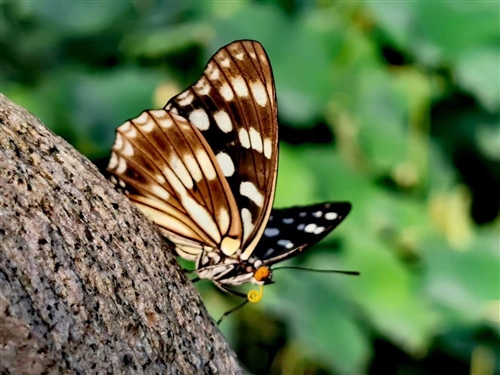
x,y
87,285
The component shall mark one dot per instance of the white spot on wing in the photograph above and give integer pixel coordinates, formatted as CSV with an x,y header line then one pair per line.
x,y
226,164
319,230
285,243
160,192
185,98
127,149
193,208
113,161
223,121
213,72
288,220
246,218
202,216
239,56
310,228
271,232
243,136
331,215
165,122
131,133
192,165
226,92
318,214
268,253
249,190
259,93
160,179
142,119
125,127
180,170
122,166
206,164
255,140
223,219
301,226
118,142
225,63
148,126
268,148
199,118
202,87
240,86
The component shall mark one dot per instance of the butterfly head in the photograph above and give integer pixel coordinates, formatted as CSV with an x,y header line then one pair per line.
x,y
263,276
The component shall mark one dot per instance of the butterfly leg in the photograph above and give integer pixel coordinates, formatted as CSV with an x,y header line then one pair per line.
x,y
229,291
231,311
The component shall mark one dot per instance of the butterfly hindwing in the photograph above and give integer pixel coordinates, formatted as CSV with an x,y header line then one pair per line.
x,y
234,107
291,231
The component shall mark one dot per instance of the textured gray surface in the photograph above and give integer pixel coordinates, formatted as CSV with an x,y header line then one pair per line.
x,y
86,283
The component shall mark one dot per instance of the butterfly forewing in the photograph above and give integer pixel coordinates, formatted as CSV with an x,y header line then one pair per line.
x,y
234,106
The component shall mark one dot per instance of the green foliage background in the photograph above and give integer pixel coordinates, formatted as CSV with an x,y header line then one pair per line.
x,y
394,106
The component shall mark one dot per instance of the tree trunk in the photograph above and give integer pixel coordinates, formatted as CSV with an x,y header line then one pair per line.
x,y
87,283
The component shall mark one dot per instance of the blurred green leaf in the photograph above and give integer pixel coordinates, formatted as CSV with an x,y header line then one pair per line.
x,y
293,177
79,17
161,42
463,282
431,29
477,71
333,336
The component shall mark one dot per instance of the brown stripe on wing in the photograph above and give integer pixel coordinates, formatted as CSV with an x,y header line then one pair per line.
x,y
172,175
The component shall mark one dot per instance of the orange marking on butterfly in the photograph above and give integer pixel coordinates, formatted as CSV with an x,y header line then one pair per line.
x,y
262,273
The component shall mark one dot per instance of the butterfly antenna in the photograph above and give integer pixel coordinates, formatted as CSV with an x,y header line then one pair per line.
x,y
232,311
352,273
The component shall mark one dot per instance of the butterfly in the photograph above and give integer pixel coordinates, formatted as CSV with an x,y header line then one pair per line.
x,y
204,169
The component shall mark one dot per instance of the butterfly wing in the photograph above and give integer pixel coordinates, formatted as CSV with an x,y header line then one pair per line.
x,y
291,231
168,170
234,107
204,168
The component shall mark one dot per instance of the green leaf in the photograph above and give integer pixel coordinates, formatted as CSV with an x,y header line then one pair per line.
x,y
320,319
463,283
478,72
293,177
79,17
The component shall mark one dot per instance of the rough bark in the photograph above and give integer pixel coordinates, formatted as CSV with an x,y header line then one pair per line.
x,y
87,285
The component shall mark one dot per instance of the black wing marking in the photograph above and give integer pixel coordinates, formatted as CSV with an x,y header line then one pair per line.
x,y
293,230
